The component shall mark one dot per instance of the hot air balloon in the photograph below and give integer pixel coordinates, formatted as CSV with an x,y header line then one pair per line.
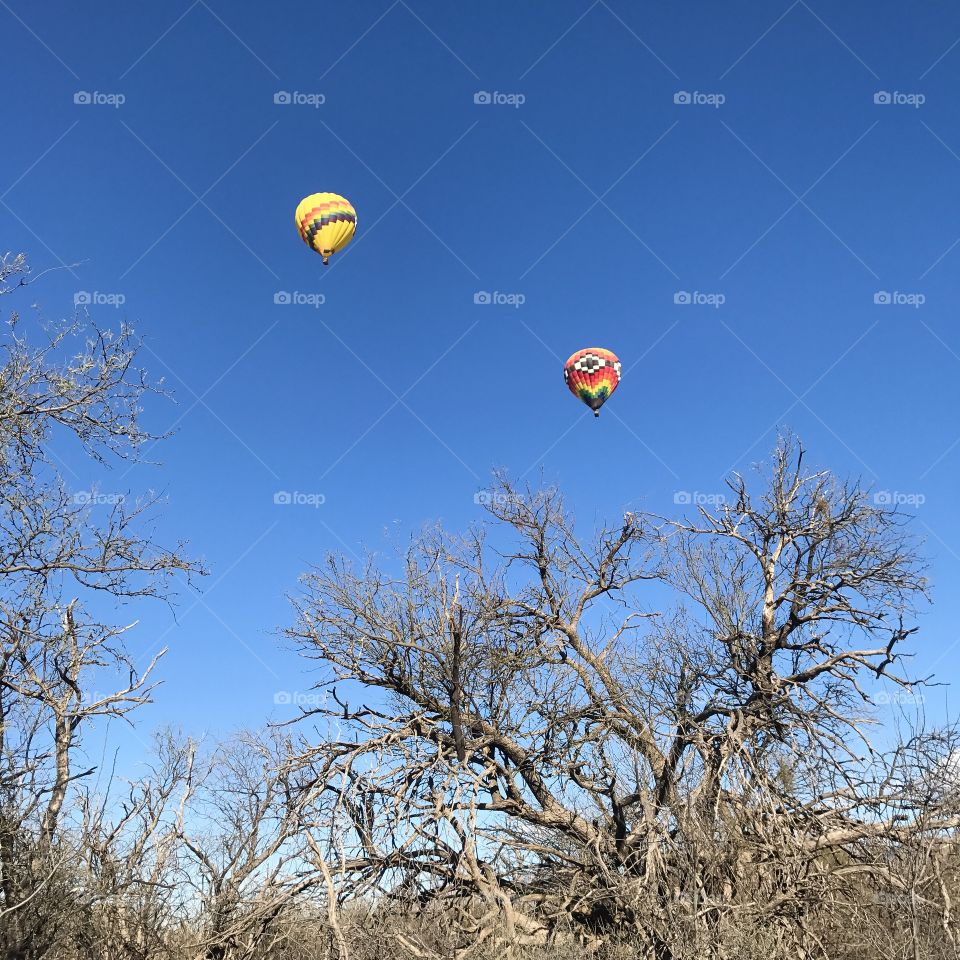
x,y
326,222
592,375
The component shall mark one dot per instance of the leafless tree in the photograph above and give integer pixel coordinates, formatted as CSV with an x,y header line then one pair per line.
x,y
652,740
62,565
654,735
243,863
131,858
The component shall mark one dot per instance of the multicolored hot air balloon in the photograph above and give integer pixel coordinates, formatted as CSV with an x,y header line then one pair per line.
x,y
592,375
326,222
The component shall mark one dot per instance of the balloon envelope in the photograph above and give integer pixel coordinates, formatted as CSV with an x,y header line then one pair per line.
x,y
592,375
326,222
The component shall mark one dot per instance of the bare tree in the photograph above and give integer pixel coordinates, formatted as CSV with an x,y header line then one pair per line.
x,y
132,859
657,734
243,863
59,562
652,740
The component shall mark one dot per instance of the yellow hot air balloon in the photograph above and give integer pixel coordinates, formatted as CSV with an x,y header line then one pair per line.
x,y
326,222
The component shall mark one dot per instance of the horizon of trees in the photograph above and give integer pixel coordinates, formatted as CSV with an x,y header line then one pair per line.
x,y
647,740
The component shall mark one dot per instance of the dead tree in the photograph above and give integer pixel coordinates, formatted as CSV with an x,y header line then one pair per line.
x,y
59,550
656,733
243,863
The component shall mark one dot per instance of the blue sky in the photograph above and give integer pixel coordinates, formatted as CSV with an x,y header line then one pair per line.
x,y
781,196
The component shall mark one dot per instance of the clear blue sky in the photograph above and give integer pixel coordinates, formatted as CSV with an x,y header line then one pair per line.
x,y
797,199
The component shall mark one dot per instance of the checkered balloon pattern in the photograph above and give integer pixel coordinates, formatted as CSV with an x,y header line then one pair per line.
x,y
326,222
592,375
